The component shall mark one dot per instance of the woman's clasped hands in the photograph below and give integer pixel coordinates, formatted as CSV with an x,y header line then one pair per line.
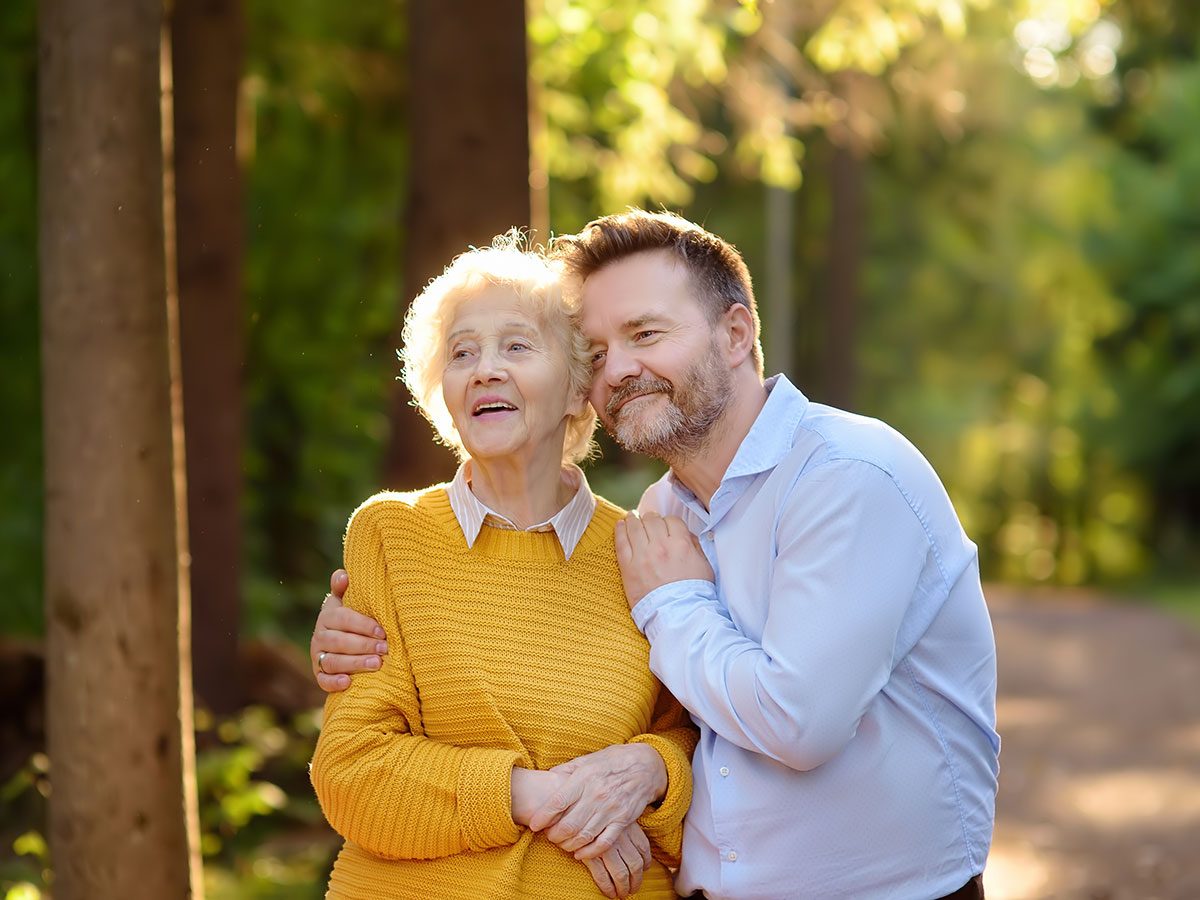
x,y
589,807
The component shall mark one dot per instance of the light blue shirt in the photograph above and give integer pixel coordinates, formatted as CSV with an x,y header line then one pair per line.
x,y
843,674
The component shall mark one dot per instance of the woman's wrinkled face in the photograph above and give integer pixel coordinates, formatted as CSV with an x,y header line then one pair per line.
x,y
506,383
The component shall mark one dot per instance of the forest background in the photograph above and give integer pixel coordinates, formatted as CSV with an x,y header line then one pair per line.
x,y
976,220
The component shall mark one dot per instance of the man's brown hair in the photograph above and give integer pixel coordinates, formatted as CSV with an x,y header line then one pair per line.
x,y
715,268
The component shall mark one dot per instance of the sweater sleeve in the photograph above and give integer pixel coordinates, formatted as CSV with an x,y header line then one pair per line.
x,y
674,736
381,783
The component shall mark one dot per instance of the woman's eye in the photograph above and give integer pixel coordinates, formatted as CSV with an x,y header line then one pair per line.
x,y
518,345
459,354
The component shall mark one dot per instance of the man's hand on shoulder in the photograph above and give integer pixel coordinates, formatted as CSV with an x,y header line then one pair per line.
x,y
344,641
653,551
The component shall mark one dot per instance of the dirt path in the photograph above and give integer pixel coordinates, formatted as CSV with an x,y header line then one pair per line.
x,y
1099,713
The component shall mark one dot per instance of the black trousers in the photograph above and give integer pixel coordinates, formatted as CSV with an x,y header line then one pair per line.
x,y
972,890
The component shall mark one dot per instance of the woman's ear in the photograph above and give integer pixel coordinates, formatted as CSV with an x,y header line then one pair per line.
x,y
577,405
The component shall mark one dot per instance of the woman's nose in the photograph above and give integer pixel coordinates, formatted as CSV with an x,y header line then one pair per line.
x,y
490,367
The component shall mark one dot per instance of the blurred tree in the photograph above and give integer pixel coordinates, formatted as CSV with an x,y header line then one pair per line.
x,y
119,726
468,178
20,388
207,41
324,138
1150,253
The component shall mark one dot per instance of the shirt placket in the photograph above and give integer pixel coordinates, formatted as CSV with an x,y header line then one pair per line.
x,y
720,772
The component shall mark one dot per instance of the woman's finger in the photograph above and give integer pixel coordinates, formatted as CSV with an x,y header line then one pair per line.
x,y
633,862
600,875
604,842
617,871
640,842
555,809
577,829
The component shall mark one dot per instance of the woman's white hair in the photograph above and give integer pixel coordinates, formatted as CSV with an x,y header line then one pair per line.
x,y
537,282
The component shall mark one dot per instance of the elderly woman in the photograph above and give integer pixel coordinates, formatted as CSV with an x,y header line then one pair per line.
x,y
512,657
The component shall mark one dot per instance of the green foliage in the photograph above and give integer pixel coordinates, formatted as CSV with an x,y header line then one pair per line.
x,y
262,833
1148,253
20,388
613,83
326,155
27,870
989,360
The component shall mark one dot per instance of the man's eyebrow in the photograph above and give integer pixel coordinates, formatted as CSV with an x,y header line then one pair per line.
x,y
641,321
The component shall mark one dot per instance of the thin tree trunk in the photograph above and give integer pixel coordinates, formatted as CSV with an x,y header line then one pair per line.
x,y
780,337
845,260
118,724
469,172
207,49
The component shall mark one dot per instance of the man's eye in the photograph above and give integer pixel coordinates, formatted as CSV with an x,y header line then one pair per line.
x,y
598,358
643,335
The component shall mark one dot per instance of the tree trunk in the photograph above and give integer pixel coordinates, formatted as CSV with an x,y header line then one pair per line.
x,y
118,722
779,342
845,259
469,172
207,38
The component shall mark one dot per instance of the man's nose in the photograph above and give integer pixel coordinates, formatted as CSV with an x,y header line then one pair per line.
x,y
619,365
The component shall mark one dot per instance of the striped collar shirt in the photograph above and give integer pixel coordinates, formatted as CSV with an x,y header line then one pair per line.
x,y
568,524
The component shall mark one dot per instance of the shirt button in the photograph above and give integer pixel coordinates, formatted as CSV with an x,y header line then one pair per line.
x,y
708,535
724,771
731,856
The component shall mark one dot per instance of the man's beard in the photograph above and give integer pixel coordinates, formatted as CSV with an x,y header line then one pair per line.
x,y
693,408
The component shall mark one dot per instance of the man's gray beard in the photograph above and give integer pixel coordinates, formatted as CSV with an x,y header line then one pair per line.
x,y
694,407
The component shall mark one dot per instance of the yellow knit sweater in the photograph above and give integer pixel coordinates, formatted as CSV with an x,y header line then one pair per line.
x,y
501,655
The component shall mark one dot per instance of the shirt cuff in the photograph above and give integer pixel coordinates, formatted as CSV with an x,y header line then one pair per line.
x,y
485,798
690,590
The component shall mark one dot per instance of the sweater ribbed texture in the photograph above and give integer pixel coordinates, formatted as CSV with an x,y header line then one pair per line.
x,y
501,655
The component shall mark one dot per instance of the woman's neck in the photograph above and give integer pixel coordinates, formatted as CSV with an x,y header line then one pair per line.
x,y
526,492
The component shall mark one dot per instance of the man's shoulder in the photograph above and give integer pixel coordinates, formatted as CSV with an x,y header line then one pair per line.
x,y
827,434
660,498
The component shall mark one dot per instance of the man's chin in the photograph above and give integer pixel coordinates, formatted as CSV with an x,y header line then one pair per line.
x,y
641,441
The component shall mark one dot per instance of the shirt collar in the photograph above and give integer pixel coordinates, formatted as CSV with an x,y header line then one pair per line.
x,y
770,437
568,524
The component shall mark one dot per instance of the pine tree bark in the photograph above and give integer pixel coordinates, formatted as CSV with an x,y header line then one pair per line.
x,y
118,723
207,40
469,172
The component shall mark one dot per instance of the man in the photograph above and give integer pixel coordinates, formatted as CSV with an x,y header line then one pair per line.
x,y
805,585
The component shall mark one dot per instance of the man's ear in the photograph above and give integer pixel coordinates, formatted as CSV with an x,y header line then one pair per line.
x,y
737,334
